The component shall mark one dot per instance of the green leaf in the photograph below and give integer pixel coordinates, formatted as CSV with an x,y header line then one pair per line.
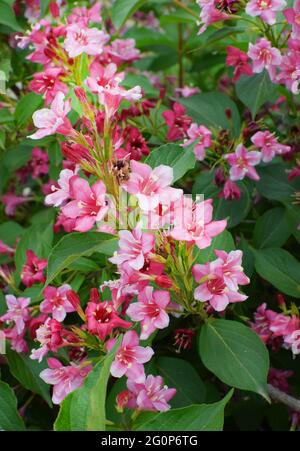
x,y
279,268
293,219
254,91
180,374
17,157
10,231
44,7
10,419
27,372
26,106
274,183
235,354
5,116
84,409
75,245
123,9
204,417
209,108
181,160
8,18
271,229
223,242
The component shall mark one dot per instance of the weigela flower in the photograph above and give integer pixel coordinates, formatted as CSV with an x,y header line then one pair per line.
x,y
53,120
292,16
102,318
38,164
48,83
150,310
242,163
60,194
262,321
177,121
49,335
187,91
183,339
278,378
17,313
150,395
33,269
230,191
266,9
264,56
229,265
16,339
210,14
64,378
56,302
292,341
290,70
134,247
130,358
84,40
268,145
88,204
12,201
201,136
123,51
83,16
239,60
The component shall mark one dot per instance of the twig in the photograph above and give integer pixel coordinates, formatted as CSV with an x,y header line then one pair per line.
x,y
282,397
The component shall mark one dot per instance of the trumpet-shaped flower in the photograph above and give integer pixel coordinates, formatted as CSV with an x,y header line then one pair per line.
x,y
242,163
84,40
17,313
102,318
152,394
266,9
56,302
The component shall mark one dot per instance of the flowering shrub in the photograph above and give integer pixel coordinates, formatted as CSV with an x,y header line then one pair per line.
x,y
149,214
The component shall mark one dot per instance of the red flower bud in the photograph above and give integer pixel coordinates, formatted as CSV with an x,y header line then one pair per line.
x,y
164,281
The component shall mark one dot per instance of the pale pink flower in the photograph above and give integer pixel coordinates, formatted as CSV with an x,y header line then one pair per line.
x,y
53,120
60,195
17,313
150,395
151,186
84,40
11,202
213,288
187,91
150,310
293,341
268,145
263,318
264,56
49,335
292,16
123,51
201,136
210,14
193,223
290,71
282,325
229,265
48,83
130,358
64,378
89,204
83,16
266,9
56,302
242,163
134,247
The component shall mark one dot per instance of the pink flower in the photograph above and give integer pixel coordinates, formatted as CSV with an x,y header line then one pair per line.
x,y
213,287
193,223
210,14
49,335
11,202
177,121
269,146
290,71
134,247
187,91
292,16
33,269
38,163
293,341
239,60
151,395
266,9
150,310
17,312
264,56
123,51
84,40
89,204
151,186
60,195
282,325
83,16
201,136
242,163
229,265
130,358
16,339
230,191
263,318
48,83
102,318
5,249
53,120
64,378
278,378
56,302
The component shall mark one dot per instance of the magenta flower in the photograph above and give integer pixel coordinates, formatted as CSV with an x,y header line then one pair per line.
x,y
213,288
264,56
239,60
266,9
89,204
130,358
11,202
84,40
210,14
56,302
17,313
293,341
193,223
150,395
151,186
177,121
282,325
242,163
64,378
102,318
229,265
150,310
60,195
53,120
16,339
263,318
48,83
33,269
201,136
39,163
49,335
134,247
230,191
292,16
269,146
